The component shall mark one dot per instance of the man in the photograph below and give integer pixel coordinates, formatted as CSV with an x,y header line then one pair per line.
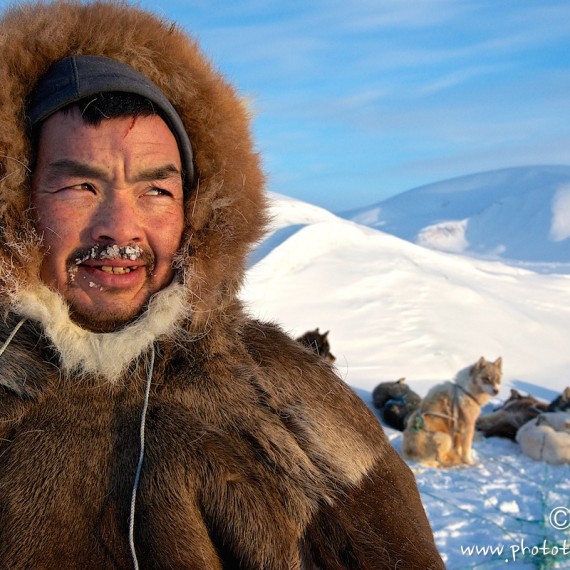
x,y
145,420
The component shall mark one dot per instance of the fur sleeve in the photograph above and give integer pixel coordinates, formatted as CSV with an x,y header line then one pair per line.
x,y
371,515
378,524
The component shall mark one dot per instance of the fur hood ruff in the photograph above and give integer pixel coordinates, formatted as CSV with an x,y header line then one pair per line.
x,y
225,212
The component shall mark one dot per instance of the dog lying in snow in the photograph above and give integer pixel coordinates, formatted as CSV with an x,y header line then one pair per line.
x,y
547,438
507,419
318,343
440,433
396,401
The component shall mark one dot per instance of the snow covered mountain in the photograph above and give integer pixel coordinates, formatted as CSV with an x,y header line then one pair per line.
x,y
517,214
395,308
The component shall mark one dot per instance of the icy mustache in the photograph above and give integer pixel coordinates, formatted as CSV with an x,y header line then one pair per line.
x,y
107,252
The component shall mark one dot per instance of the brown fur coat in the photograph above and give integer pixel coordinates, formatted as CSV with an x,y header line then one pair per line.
x,y
257,455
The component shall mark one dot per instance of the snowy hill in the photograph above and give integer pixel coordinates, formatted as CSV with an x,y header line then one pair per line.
x,y
397,309
518,214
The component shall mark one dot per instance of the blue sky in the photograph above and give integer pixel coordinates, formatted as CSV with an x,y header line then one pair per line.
x,y
358,100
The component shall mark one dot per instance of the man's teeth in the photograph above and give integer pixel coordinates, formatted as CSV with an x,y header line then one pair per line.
x,y
116,270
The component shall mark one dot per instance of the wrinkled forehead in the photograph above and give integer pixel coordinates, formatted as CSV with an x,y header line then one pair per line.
x,y
140,149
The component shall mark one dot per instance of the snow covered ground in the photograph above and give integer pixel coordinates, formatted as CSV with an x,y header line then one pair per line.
x,y
395,308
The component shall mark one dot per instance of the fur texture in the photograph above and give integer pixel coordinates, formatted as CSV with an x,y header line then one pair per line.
x,y
396,401
440,433
507,419
257,455
547,438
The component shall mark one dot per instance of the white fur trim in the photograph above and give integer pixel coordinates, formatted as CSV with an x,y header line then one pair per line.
x,y
104,354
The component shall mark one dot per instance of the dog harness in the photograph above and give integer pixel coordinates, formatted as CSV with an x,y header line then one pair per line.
x,y
419,423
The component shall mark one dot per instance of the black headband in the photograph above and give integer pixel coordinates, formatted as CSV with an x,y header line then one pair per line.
x,y
79,76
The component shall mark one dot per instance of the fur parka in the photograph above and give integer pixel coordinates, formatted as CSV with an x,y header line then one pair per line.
x,y
256,455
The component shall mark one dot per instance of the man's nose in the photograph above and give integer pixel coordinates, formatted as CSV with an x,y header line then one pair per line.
x,y
116,221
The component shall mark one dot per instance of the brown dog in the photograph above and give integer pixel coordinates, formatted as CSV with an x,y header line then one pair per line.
x,y
440,432
515,412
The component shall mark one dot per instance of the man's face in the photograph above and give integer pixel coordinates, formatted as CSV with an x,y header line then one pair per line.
x,y
109,202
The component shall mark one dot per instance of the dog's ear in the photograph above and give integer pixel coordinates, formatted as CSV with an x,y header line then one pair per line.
x,y
325,334
400,381
515,394
480,363
499,363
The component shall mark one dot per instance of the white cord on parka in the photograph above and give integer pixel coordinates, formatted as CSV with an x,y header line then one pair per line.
x,y
141,435
12,335
140,462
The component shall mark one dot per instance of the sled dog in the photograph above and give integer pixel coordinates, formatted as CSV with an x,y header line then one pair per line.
x,y
319,343
396,401
440,432
547,438
507,419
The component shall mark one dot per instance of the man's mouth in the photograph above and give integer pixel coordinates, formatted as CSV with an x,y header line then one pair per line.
x,y
109,260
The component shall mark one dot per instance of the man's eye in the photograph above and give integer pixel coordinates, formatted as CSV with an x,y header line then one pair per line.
x,y
82,186
158,192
